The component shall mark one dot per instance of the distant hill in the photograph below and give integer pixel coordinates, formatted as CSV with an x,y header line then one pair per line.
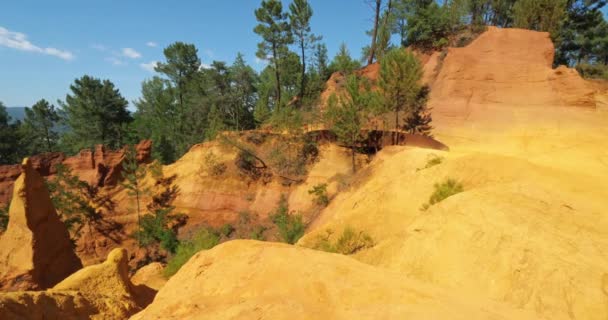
x,y
16,113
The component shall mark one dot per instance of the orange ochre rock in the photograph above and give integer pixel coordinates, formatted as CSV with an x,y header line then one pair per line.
x,y
101,291
35,252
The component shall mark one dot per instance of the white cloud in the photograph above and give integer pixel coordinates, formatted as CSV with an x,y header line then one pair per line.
x,y
152,44
131,53
209,53
19,41
149,66
115,61
205,66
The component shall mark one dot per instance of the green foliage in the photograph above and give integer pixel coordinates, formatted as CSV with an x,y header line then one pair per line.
x,y
4,217
39,128
540,15
247,164
343,62
10,152
432,160
345,114
133,175
226,230
428,26
349,242
276,34
583,36
291,227
73,200
593,71
418,119
258,233
204,239
300,13
213,166
445,190
95,113
320,193
400,77
155,228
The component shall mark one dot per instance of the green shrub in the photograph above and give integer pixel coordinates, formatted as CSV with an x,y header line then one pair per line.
x,y
320,192
445,190
204,239
226,230
247,164
256,138
4,218
156,228
349,242
432,161
291,227
258,233
593,71
213,166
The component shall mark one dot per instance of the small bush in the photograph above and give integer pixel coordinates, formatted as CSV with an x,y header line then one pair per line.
x,y
246,163
205,239
226,230
445,190
432,161
349,242
310,150
256,138
213,166
4,218
258,233
593,71
291,227
320,192
156,170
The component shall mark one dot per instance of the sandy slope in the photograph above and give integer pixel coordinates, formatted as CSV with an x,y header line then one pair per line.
x,y
255,280
531,228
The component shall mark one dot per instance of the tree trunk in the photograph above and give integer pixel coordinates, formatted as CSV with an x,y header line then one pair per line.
x,y
388,13
48,139
396,134
277,75
372,51
352,154
138,217
303,80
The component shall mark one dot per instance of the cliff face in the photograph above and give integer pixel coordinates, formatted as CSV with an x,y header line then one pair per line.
x,y
100,167
36,251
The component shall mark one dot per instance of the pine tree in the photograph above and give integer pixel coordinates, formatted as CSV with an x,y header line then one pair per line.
x,y
300,13
9,138
275,31
321,61
75,201
157,118
342,62
244,82
133,175
540,15
346,114
39,127
374,33
419,119
95,112
400,77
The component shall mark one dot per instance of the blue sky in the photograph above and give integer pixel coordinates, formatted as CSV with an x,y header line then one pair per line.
x,y
45,45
